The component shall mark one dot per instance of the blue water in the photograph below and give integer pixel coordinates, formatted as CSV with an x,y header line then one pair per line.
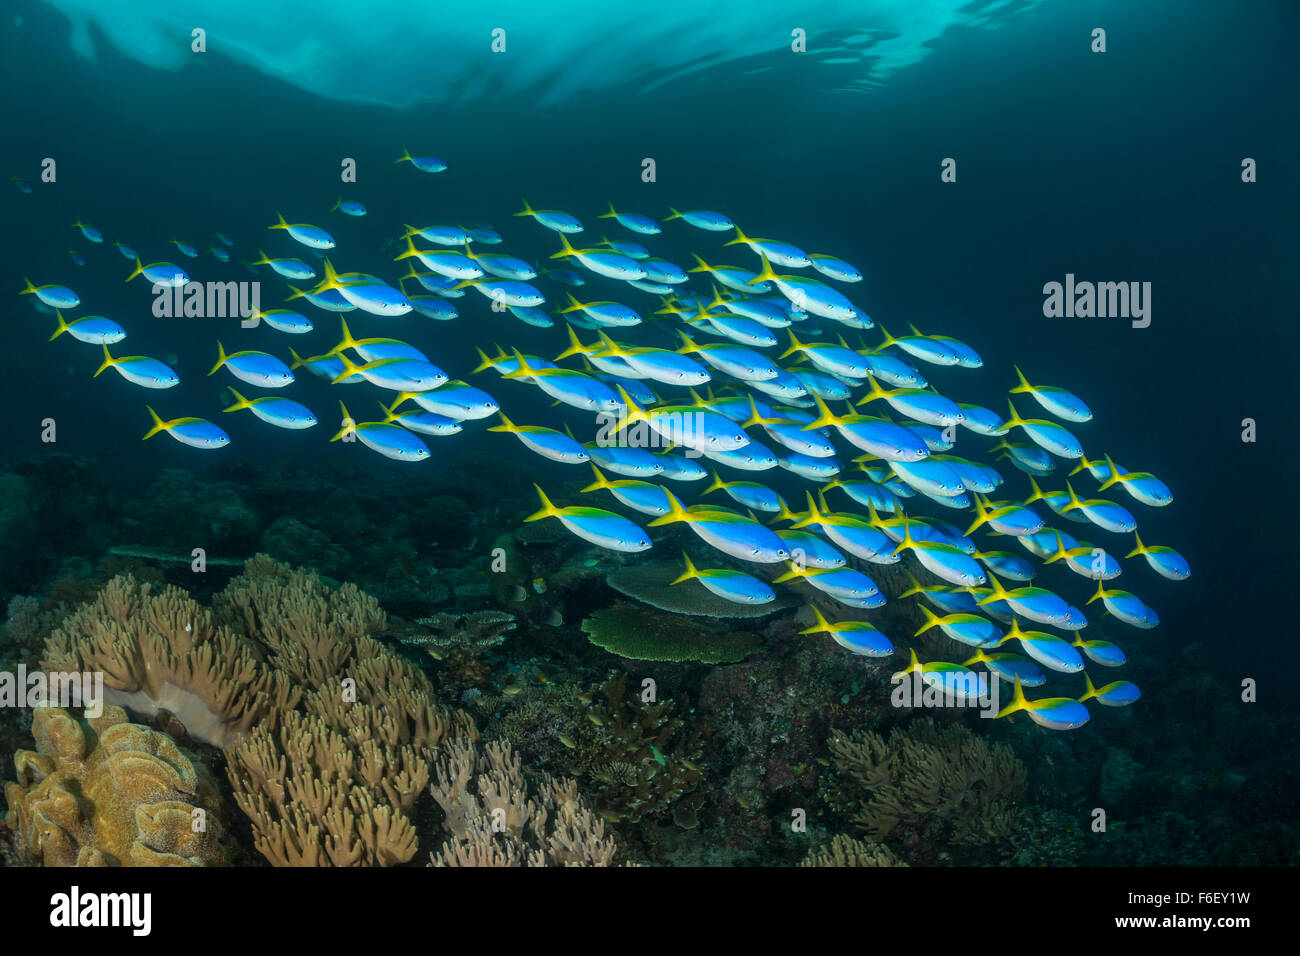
x,y
1120,166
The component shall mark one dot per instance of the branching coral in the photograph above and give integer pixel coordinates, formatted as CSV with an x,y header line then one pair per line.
x,y
325,728
105,792
161,651
846,851
495,816
925,782
336,784
314,798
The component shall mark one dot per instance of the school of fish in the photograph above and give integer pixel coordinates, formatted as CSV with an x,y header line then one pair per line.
x,y
749,365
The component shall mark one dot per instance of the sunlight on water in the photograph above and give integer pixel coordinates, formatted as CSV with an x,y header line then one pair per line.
x,y
398,52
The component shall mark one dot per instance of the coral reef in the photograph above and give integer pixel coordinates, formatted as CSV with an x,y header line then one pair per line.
x,y
846,851
642,634
163,652
337,783
651,583
634,758
104,792
496,815
926,787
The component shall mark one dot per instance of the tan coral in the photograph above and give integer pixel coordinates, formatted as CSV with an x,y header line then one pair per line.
x,y
496,816
336,783
105,792
923,776
846,851
161,651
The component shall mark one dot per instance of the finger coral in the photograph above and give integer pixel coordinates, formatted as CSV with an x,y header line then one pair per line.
x,y
159,650
104,792
337,782
846,851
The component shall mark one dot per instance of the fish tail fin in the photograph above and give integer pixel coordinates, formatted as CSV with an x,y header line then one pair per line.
x,y
688,344
523,370
410,248
1089,691
675,512
700,265
390,411
349,423
913,665
28,288
688,574
338,202
1140,549
221,358
740,237
931,620
298,361
914,586
350,368
280,223
764,273
575,346
240,401
1099,596
1113,478
1024,385
792,574
331,278
996,591
1017,703
297,294
506,424
1015,418
573,306
821,625
405,157
600,482
633,412
1059,553
347,342
826,416
672,214
718,484
608,215
754,417
158,425
567,249
795,345
1083,463
63,326
527,210
139,268
484,364
548,509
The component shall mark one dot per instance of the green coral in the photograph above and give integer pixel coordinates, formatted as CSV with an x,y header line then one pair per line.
x,y
645,634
